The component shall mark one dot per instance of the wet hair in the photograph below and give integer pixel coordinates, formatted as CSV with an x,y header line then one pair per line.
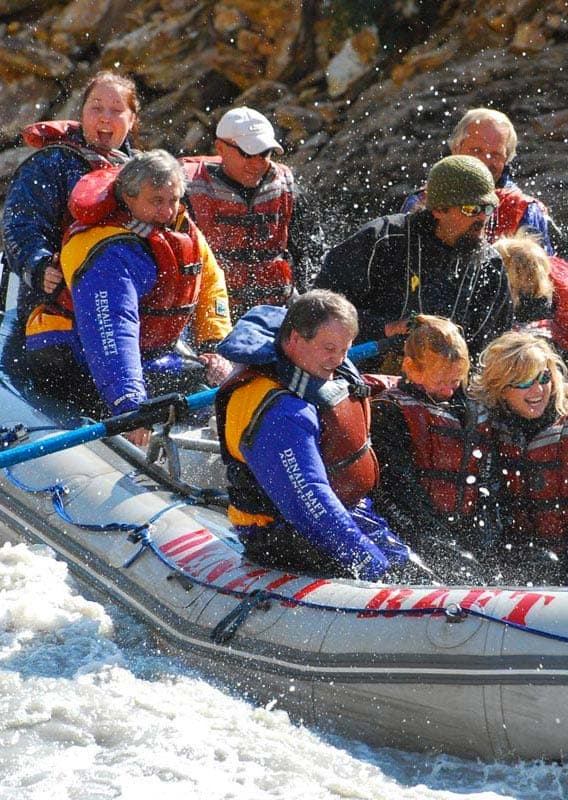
x,y
527,265
316,308
513,358
476,115
158,167
127,86
432,335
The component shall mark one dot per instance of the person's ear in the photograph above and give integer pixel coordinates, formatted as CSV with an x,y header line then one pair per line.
x,y
410,368
294,337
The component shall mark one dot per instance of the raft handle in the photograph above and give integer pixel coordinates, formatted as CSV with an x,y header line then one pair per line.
x,y
229,625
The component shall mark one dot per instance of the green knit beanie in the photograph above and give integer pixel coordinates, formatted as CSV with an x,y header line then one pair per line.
x,y
458,181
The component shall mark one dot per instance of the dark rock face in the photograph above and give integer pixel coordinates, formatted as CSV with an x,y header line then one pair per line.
x,y
395,133
363,95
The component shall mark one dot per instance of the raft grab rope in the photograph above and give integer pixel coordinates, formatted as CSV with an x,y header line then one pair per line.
x,y
225,630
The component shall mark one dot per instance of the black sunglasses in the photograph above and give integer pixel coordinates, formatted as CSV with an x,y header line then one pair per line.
x,y
264,154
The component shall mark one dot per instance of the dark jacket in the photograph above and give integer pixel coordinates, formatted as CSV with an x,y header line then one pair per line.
x,y
396,264
35,214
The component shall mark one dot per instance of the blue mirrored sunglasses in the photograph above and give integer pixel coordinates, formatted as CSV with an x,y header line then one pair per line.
x,y
472,210
264,154
542,378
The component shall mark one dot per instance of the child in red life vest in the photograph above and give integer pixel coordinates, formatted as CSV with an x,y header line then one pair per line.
x,y
522,382
434,447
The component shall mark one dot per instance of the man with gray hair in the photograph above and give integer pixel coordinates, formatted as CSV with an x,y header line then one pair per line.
x,y
137,272
489,135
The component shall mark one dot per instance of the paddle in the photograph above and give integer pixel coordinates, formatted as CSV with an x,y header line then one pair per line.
x,y
151,412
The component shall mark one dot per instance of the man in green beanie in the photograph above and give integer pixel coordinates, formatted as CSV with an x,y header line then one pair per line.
x,y
433,261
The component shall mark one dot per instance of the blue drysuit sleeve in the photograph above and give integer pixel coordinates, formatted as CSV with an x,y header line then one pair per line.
x,y
285,459
35,209
536,221
106,299
412,202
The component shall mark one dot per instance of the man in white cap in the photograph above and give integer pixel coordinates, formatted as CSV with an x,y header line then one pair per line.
x,y
247,205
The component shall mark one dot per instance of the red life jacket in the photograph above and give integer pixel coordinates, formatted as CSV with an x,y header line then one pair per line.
x,y
559,278
65,133
508,215
350,462
166,309
249,241
449,457
351,465
536,480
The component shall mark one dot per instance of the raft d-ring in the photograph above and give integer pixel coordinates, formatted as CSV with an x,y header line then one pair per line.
x,y
18,433
455,613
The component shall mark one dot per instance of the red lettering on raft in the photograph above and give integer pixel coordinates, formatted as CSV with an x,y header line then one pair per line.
x,y
309,588
244,582
213,549
284,579
518,614
306,590
479,597
186,541
222,567
390,599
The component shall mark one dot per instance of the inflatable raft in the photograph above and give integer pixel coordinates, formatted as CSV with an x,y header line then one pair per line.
x,y
472,671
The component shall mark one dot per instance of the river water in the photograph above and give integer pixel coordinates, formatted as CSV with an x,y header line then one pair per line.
x,y
92,709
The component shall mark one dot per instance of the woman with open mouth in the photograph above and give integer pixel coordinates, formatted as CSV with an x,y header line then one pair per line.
x,y
35,213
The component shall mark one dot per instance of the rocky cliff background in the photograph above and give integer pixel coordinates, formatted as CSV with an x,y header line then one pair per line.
x,y
363,94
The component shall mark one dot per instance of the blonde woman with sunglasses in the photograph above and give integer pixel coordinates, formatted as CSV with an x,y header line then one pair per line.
x,y
522,381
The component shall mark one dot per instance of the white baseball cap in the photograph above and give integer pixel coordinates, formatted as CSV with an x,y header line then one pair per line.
x,y
249,130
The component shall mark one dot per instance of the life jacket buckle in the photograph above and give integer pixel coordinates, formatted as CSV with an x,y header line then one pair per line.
x,y
359,390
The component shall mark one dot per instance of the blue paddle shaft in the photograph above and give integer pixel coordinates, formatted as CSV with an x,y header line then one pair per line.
x,y
52,444
155,411
359,352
